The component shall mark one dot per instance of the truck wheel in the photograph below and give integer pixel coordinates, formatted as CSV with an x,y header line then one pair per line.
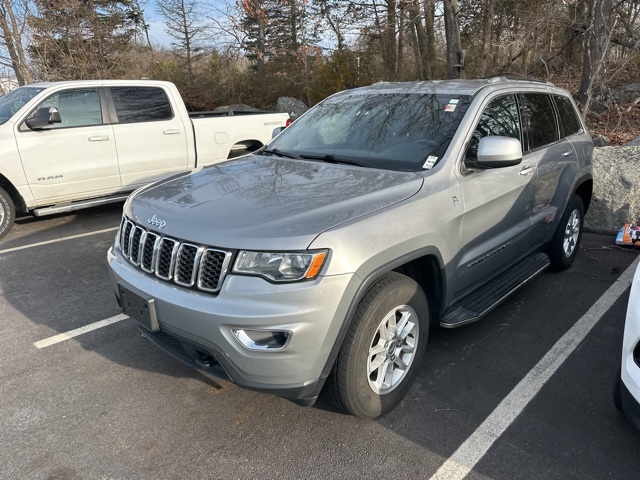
x,y
383,348
7,213
566,240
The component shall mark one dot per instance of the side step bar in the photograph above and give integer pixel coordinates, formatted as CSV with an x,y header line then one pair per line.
x,y
491,295
70,207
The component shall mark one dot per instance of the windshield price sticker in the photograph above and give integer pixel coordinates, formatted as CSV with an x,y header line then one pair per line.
x,y
431,161
451,106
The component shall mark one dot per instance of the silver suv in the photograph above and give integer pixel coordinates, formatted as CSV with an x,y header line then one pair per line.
x,y
323,259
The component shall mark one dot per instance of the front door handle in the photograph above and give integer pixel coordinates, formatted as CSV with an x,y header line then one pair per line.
x,y
174,131
99,138
527,170
566,154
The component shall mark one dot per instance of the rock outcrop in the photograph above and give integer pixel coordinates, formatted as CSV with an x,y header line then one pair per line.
x,y
292,106
616,189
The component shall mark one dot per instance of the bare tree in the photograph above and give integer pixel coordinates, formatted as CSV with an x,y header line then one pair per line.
x,y
455,54
13,17
597,38
183,22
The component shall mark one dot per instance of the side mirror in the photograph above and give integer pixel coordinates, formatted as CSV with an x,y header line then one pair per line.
x,y
44,117
277,131
496,152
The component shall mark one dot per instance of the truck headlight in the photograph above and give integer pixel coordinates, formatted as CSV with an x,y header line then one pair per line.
x,y
281,266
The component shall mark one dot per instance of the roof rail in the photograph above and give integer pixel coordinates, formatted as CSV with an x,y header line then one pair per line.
x,y
517,78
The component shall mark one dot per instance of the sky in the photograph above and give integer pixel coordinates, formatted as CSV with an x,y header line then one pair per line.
x,y
157,30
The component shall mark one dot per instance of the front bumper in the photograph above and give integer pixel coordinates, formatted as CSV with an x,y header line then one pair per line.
x,y
197,327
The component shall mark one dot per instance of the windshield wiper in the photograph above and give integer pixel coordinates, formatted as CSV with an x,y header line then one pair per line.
x,y
331,159
280,153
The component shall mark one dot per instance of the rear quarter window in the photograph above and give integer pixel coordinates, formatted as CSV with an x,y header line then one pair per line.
x,y
570,123
141,104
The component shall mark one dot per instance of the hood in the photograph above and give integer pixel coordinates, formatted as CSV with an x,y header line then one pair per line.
x,y
267,203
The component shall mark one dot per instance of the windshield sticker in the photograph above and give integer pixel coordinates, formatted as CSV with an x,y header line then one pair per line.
x,y
431,161
450,108
453,101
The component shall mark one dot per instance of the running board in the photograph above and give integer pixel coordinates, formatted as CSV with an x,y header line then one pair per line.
x,y
491,295
70,207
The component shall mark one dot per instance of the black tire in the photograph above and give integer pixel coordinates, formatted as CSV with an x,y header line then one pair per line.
x,y
7,213
565,244
350,385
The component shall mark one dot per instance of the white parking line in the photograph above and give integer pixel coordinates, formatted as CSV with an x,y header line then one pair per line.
x,y
39,244
79,331
476,446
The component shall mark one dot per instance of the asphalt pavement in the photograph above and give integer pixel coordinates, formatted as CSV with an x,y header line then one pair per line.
x,y
106,404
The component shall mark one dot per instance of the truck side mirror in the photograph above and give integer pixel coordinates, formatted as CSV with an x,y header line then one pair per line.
x,y
276,131
44,117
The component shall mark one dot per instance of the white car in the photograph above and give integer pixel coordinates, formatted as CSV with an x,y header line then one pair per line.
x,y
627,388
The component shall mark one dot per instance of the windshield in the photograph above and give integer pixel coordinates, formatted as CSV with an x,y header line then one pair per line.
x,y
13,101
393,131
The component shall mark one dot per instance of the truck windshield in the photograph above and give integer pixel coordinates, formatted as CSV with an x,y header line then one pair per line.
x,y
393,131
14,100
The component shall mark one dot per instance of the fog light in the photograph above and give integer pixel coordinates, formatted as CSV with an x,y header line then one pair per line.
x,y
262,339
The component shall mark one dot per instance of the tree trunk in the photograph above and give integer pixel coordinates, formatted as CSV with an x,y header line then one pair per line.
x,y
390,47
11,34
597,38
419,38
429,58
487,30
455,55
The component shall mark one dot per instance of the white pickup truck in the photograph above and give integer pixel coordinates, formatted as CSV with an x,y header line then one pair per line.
x,y
77,144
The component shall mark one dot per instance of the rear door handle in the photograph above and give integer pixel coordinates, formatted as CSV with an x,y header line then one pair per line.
x,y
99,138
527,170
566,154
174,131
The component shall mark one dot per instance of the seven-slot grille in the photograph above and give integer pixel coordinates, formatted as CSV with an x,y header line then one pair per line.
x,y
186,264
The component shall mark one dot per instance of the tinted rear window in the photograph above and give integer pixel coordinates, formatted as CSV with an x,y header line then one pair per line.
x,y
538,120
141,104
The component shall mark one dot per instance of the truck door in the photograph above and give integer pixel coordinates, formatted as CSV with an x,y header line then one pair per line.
x,y
497,203
151,139
73,159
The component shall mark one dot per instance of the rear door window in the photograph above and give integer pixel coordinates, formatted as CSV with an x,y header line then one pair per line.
x,y
539,120
141,104
569,120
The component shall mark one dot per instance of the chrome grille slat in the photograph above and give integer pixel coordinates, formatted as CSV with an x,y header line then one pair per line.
x,y
149,252
213,268
166,261
186,264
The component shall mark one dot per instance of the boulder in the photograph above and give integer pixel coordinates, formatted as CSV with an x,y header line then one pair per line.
x,y
292,106
600,140
616,189
626,93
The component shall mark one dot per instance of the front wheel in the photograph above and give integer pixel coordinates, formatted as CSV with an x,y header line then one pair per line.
x,y
566,240
384,346
7,213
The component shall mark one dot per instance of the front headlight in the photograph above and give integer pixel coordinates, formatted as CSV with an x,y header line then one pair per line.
x,y
281,266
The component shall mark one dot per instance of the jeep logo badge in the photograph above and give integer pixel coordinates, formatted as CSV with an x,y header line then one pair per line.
x,y
157,222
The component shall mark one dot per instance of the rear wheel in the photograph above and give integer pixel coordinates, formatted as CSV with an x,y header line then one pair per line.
x,y
381,353
7,213
565,243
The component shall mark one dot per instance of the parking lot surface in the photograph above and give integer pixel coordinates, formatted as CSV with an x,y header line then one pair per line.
x,y
523,393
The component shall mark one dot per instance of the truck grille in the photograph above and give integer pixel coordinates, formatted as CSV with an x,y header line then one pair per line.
x,y
186,264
